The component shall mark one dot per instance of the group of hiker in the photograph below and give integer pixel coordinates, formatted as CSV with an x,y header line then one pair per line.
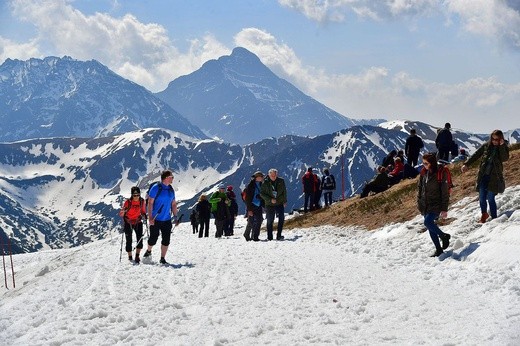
x,y
270,194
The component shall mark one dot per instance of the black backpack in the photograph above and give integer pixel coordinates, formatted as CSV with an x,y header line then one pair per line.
x,y
328,182
160,187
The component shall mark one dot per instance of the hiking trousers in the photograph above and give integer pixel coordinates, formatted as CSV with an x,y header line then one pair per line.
x,y
270,213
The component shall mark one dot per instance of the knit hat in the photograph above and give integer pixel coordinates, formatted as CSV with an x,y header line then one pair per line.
x,y
230,188
258,174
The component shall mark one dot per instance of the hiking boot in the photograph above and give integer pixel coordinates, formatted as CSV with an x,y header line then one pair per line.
x,y
147,254
130,257
484,218
437,253
163,261
137,259
280,237
445,241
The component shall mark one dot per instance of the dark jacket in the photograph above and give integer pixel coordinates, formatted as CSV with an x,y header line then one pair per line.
x,y
270,189
433,195
444,139
251,191
204,210
413,146
309,182
490,164
381,181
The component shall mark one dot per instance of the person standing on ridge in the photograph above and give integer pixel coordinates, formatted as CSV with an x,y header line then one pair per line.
x,y
432,201
490,178
309,185
132,213
161,206
444,142
413,147
204,210
254,204
328,184
274,194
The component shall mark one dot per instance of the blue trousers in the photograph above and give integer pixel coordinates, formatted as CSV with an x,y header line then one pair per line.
x,y
433,229
485,196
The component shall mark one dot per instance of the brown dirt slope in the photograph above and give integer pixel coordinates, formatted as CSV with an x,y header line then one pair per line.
x,y
398,204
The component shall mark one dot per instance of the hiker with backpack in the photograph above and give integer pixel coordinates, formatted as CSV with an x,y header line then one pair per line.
x,y
274,194
220,208
490,178
328,184
132,212
433,199
203,208
254,204
161,206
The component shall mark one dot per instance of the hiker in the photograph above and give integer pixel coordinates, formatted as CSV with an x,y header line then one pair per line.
x,y
490,178
233,212
161,206
309,184
204,210
274,194
254,205
317,192
194,219
463,156
443,142
378,184
432,200
132,212
388,161
220,209
396,174
328,184
413,147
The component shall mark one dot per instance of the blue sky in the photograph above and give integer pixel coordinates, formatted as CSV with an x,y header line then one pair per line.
x,y
426,60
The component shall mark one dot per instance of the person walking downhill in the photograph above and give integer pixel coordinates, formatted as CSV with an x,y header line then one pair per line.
x,y
161,206
328,184
432,200
254,204
132,212
204,210
274,194
490,178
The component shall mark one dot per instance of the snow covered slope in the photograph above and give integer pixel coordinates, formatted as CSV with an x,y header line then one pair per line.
x,y
324,285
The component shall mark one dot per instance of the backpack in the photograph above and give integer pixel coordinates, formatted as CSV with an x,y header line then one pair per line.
x,y
328,182
160,187
128,204
441,168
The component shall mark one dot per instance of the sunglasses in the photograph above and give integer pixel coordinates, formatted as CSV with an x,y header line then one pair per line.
x,y
136,195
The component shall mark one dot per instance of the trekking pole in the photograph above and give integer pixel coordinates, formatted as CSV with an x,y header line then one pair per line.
x,y
177,223
11,256
3,260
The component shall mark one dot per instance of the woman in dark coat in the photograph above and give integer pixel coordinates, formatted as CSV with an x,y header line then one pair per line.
x,y
490,178
204,210
432,200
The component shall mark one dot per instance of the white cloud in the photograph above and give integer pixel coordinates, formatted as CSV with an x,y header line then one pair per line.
x,y
140,52
22,51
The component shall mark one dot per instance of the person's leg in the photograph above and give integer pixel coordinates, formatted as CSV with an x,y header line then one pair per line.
x,y
257,222
249,227
281,219
166,230
492,204
128,238
269,215
139,236
152,240
433,229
